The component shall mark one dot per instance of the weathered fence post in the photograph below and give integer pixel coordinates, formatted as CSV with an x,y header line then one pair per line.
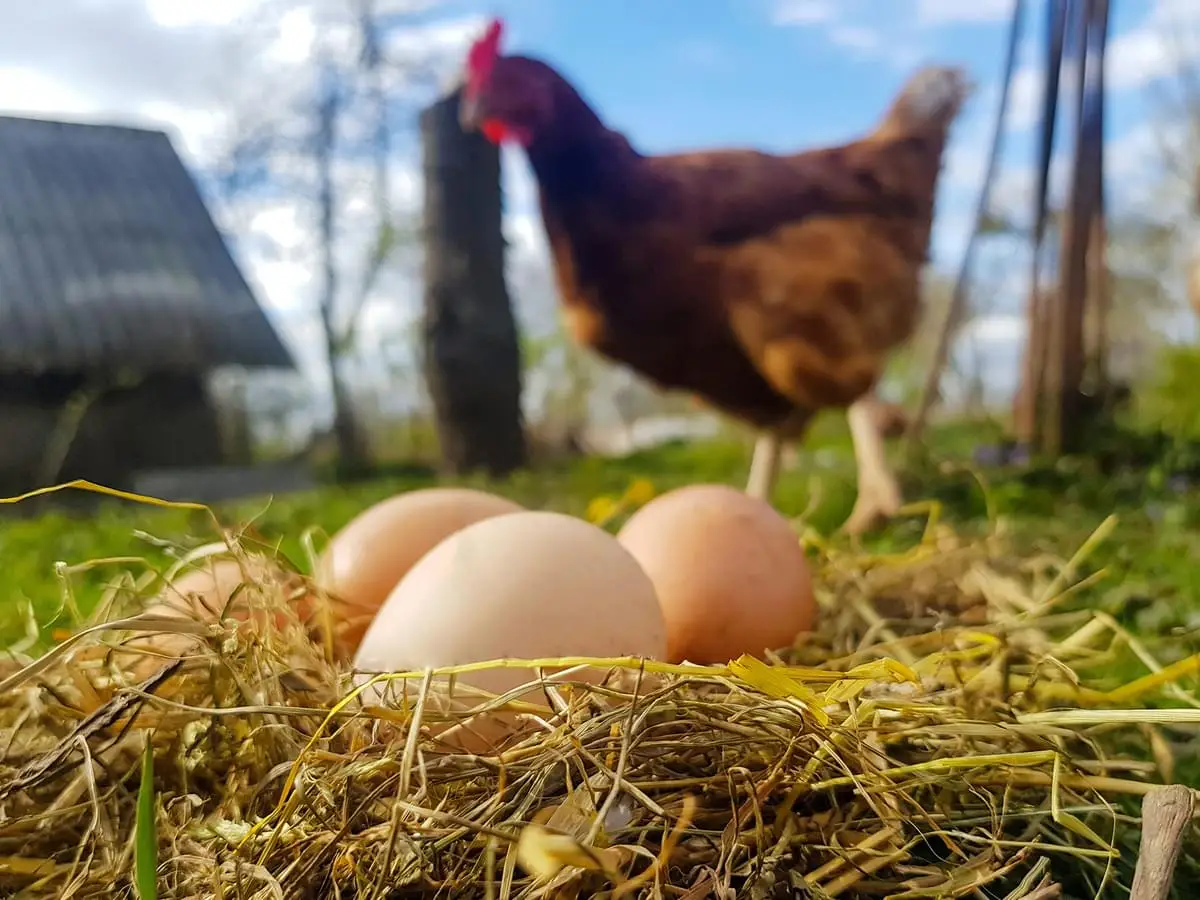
x,y
472,357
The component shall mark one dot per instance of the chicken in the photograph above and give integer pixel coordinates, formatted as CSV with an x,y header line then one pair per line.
x,y
771,286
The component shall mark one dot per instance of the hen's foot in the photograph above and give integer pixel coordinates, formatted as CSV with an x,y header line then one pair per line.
x,y
879,499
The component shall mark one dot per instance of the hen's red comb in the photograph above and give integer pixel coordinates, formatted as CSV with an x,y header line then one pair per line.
x,y
484,51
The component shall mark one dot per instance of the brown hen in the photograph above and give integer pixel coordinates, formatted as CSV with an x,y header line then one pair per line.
x,y
771,286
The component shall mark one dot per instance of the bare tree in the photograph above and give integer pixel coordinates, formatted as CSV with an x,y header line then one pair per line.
x,y
347,113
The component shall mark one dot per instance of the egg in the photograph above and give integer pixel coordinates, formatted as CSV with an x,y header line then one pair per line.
x,y
366,559
244,590
728,570
527,585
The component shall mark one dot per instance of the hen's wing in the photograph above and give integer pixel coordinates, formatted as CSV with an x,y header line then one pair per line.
x,y
819,304
820,253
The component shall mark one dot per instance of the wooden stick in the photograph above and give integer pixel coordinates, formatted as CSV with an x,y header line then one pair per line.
x,y
1166,814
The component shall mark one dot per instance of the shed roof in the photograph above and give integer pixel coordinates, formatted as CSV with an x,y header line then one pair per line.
x,y
109,258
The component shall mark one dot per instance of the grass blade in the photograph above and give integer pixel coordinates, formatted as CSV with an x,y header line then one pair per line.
x,y
145,848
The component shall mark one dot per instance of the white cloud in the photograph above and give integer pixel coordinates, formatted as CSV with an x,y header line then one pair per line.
x,y
1025,95
805,12
995,328
169,14
1168,37
856,37
944,12
1135,159
24,89
924,13
897,32
850,25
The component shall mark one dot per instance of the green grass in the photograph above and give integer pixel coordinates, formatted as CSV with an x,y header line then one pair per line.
x,y
1153,585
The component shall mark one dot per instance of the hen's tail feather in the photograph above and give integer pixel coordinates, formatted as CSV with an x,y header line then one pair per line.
x,y
931,100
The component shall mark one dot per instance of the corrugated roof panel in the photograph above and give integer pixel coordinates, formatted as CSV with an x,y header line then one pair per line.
x,y
108,257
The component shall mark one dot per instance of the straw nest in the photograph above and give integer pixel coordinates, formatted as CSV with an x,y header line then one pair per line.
x,y
935,739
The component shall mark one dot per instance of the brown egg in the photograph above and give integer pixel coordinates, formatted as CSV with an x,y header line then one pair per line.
x,y
530,585
204,592
728,570
367,558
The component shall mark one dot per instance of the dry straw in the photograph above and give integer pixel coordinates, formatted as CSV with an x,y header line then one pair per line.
x,y
946,734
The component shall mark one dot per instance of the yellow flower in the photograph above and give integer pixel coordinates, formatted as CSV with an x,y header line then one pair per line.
x,y
640,492
602,508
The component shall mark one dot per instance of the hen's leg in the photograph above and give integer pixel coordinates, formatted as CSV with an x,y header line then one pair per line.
x,y
878,492
764,467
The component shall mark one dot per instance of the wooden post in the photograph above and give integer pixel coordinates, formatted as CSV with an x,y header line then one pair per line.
x,y
1064,421
472,358
1099,282
1057,392
1027,405
1099,296
1038,345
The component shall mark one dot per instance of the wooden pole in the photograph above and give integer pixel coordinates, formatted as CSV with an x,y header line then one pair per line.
x,y
1099,282
1030,394
1064,426
472,358
1065,363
